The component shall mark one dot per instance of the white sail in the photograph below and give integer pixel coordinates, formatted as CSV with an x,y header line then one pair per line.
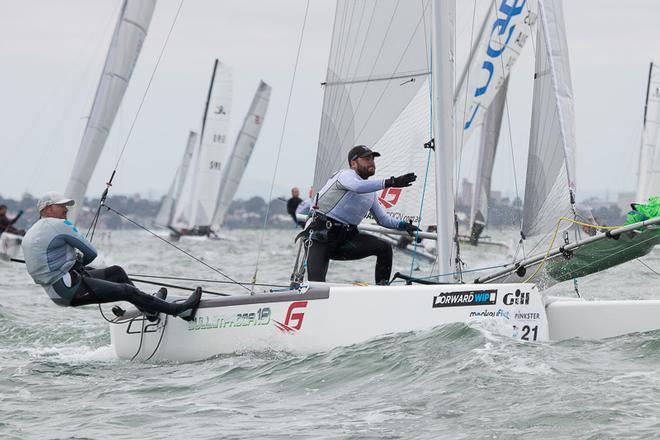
x,y
506,29
378,62
213,151
648,181
550,184
127,40
167,209
490,135
240,155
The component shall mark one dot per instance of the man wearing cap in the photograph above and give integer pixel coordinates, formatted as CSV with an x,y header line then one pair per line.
x,y
51,248
343,202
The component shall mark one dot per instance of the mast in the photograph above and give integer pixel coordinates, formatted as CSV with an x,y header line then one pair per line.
x,y
443,22
643,175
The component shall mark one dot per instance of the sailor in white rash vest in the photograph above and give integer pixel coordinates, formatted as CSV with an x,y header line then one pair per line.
x,y
52,247
342,204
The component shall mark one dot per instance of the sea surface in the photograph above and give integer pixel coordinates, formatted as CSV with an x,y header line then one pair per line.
x,y
60,379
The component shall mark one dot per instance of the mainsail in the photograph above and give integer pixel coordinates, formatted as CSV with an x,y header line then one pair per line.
x,y
127,40
490,135
211,156
240,155
648,181
550,184
176,195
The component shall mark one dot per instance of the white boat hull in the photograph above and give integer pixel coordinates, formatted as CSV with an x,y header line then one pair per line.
x,y
326,316
10,246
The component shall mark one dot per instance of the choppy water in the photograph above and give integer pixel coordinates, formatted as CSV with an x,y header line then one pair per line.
x,y
59,378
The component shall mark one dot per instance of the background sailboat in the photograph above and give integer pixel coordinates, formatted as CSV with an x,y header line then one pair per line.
x,y
127,40
210,172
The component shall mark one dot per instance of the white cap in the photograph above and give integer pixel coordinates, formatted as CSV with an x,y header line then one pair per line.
x,y
53,198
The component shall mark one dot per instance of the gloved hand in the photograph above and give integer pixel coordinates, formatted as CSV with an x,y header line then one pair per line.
x,y
401,181
408,227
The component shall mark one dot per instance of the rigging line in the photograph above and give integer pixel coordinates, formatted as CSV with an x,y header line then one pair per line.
x,y
174,286
176,247
460,149
279,148
429,57
153,73
202,280
647,266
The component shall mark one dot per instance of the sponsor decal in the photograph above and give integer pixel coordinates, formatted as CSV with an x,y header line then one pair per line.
x,y
501,32
526,316
517,297
239,320
389,197
293,320
500,313
465,298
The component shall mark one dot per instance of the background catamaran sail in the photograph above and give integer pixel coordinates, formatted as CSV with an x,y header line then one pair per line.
x,y
165,216
648,182
240,154
127,40
216,170
212,152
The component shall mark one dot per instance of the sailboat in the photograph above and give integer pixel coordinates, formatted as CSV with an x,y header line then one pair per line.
x,y
577,256
210,172
127,40
319,316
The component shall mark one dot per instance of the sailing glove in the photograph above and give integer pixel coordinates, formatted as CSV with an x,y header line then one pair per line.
x,y
401,181
408,227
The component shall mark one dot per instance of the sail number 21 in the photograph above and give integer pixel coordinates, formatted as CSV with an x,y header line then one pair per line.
x,y
526,333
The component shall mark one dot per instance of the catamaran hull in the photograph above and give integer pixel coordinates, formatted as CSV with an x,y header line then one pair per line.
x,y
326,316
10,245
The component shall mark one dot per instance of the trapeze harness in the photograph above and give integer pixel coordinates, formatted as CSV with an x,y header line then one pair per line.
x,y
342,204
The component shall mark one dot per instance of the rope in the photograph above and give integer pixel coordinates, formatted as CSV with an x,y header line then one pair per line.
x,y
279,150
203,280
178,248
153,73
554,237
428,156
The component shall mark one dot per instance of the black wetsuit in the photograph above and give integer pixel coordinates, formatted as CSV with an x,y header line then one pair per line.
x,y
291,206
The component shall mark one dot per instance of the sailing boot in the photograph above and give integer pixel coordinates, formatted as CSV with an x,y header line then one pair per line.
x,y
188,308
153,316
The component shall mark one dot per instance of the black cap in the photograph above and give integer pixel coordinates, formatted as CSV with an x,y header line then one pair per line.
x,y
361,151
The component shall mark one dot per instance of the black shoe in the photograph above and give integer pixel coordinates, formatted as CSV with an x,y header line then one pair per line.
x,y
189,306
161,294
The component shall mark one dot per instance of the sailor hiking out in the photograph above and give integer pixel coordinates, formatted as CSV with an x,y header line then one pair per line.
x,y
342,203
56,255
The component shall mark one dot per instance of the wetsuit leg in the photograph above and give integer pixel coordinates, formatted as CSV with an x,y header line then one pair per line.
x,y
318,259
116,274
364,245
97,291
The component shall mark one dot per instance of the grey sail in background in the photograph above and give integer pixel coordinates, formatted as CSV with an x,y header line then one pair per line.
x,y
240,155
127,41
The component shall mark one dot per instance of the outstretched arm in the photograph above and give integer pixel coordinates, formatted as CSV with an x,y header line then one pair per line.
x,y
352,182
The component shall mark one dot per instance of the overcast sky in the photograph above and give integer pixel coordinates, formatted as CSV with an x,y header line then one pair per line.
x,y
52,52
